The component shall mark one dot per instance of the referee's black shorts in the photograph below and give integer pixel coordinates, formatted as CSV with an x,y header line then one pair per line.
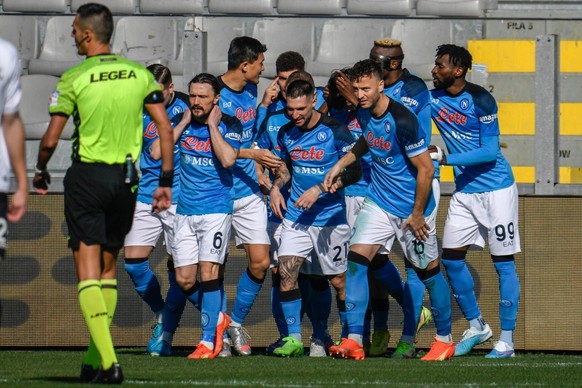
x,y
99,205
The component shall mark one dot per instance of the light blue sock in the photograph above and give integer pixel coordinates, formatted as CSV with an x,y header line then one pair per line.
x,y
414,290
246,293
357,292
507,337
291,304
440,300
145,282
194,296
509,292
223,296
175,303
210,309
462,284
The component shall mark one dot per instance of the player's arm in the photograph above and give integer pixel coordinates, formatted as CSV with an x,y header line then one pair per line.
x,y
47,147
262,156
14,137
155,149
225,153
345,88
358,150
282,177
425,174
162,198
485,153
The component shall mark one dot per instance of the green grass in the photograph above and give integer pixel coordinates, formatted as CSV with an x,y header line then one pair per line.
x,y
60,368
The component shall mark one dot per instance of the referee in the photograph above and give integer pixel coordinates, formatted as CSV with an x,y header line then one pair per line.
x,y
106,95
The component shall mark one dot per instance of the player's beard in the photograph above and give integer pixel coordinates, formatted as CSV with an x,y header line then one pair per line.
x,y
443,84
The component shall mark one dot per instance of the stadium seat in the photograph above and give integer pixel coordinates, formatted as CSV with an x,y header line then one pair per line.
x,y
23,32
115,6
35,5
381,7
282,34
176,7
344,42
247,6
146,39
471,8
58,52
310,7
220,31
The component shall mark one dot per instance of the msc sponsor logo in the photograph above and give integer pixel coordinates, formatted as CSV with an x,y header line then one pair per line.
x,y
309,170
112,75
298,153
151,131
451,117
408,101
488,119
246,135
198,160
415,145
383,161
378,142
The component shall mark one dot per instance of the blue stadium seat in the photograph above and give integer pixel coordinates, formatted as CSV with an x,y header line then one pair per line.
x,y
23,32
237,7
115,6
469,8
381,7
146,39
35,5
175,7
58,52
311,7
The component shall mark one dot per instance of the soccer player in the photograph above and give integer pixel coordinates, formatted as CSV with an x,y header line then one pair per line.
x,y
314,220
208,149
398,205
484,205
106,95
12,153
238,98
147,226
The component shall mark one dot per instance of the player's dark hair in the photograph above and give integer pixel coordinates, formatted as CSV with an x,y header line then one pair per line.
x,y
299,88
458,56
99,18
205,78
244,48
161,73
365,68
289,60
335,98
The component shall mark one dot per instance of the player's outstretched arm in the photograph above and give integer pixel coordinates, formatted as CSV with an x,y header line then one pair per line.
x,y
416,220
47,146
14,136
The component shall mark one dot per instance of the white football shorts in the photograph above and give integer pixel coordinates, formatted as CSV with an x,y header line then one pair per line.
x,y
201,238
249,220
375,226
329,245
476,218
148,225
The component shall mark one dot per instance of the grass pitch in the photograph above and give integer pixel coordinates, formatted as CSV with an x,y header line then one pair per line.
x,y
25,368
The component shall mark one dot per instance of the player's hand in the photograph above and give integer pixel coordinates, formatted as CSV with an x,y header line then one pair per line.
x,y
264,183
308,198
17,206
162,199
186,118
215,116
271,93
331,179
277,202
418,225
41,181
266,158
436,153
344,86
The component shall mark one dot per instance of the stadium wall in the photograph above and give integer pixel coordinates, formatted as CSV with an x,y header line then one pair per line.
x,y
39,306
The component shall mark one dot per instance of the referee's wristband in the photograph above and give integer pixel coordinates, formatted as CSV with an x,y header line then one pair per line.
x,y
166,178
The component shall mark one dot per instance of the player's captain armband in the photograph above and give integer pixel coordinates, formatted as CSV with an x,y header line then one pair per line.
x,y
54,98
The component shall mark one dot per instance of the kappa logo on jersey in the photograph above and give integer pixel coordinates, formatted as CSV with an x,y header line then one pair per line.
x,y
464,104
453,118
378,142
245,116
151,131
387,127
488,119
193,143
298,153
321,136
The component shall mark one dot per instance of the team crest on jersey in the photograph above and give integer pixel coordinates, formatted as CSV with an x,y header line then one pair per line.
x,y
387,127
151,131
464,104
321,136
177,110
